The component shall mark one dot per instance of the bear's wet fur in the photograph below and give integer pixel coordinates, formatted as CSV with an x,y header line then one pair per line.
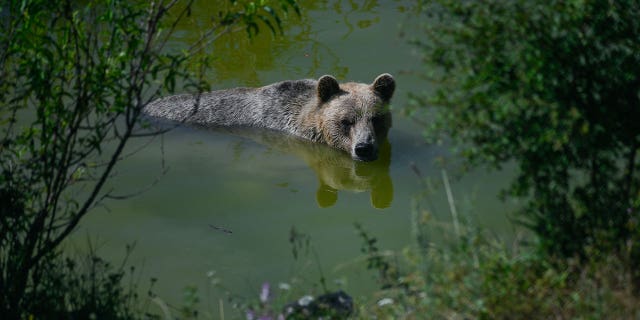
x,y
351,116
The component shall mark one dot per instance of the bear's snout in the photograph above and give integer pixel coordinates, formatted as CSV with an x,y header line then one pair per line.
x,y
365,151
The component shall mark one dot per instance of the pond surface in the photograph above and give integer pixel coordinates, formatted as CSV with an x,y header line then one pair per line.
x,y
227,202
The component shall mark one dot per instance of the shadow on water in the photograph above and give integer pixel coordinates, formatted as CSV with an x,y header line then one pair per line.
x,y
239,60
335,170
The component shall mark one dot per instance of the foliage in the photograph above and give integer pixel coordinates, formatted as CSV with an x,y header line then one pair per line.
x,y
475,276
74,77
553,86
388,274
299,298
86,288
478,278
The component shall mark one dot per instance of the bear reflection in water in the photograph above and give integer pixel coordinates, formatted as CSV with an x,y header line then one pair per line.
x,y
352,117
335,169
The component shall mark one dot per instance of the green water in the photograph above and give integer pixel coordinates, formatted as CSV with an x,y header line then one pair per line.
x,y
227,202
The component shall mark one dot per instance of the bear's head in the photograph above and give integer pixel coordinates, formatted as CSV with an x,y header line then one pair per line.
x,y
355,117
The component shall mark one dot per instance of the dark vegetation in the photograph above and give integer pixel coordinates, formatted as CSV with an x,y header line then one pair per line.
x,y
74,77
554,87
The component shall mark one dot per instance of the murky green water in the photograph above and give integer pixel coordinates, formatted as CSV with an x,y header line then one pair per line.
x,y
227,202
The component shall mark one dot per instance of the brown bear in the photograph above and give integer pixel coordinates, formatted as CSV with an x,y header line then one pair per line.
x,y
353,117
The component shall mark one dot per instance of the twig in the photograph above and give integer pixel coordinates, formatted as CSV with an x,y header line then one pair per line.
x,y
227,231
452,205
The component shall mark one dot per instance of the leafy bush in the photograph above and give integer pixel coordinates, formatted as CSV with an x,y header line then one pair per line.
x,y
553,86
74,77
477,278
85,288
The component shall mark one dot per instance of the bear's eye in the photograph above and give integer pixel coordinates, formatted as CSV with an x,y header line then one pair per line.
x,y
377,121
346,123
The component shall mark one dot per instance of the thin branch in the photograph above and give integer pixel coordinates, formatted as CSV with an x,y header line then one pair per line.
x,y
630,170
73,222
161,43
193,49
452,205
154,133
135,193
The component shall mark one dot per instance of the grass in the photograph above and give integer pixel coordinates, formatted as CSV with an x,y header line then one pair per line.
x,y
474,275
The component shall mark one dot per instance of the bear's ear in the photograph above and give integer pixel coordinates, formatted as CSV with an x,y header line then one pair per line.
x,y
326,196
382,193
327,87
384,85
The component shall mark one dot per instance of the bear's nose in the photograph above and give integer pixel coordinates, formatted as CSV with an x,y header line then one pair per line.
x,y
366,151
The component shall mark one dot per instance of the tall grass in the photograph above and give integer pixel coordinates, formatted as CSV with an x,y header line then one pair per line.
x,y
475,275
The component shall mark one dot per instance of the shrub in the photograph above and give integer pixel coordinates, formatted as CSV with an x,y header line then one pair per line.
x,y
74,78
553,86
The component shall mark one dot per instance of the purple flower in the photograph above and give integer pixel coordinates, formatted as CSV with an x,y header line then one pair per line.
x,y
264,294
